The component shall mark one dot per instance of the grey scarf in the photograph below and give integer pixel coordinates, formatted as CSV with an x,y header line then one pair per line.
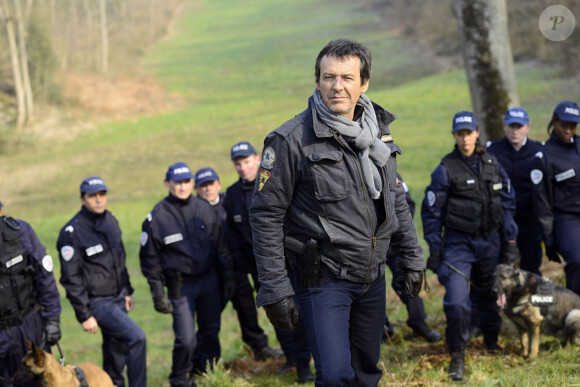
x,y
362,137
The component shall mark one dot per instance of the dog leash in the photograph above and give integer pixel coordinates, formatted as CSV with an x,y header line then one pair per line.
x,y
61,354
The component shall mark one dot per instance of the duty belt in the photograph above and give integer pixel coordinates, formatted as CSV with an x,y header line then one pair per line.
x,y
11,322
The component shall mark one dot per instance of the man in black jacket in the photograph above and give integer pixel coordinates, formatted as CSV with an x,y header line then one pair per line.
x,y
328,195
94,274
183,248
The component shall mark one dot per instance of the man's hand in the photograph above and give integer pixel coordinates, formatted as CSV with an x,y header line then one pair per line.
x,y
434,261
90,325
510,253
409,283
229,289
129,303
283,314
162,304
52,332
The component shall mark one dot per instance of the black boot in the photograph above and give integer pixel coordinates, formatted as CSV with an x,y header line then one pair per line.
x,y
490,341
457,365
429,334
304,372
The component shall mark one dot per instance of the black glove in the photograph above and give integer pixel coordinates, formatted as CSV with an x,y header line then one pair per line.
x,y
162,304
283,314
552,250
409,283
434,261
510,253
51,332
228,289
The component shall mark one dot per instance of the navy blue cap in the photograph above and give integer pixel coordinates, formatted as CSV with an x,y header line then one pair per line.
x,y
204,175
243,149
568,111
464,120
93,184
178,171
516,115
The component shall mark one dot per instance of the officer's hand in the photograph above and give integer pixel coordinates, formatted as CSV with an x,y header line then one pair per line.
x,y
434,261
52,332
162,304
552,250
510,253
283,314
229,289
409,283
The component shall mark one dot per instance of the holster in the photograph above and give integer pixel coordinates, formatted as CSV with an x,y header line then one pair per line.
x,y
174,282
305,259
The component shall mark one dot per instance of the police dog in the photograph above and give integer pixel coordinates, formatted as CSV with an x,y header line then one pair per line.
x,y
47,371
534,310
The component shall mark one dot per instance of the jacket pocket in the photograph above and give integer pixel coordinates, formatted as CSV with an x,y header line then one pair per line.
x,y
329,176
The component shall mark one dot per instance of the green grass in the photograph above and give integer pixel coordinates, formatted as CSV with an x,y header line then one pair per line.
x,y
244,68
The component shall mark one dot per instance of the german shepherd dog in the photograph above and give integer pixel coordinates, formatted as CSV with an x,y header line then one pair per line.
x,y
47,371
555,312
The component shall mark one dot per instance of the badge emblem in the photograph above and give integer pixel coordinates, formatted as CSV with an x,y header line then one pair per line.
x,y
268,158
67,252
47,263
144,238
536,176
264,176
430,198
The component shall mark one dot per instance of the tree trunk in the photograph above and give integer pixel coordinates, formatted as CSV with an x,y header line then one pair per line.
x,y
18,87
488,62
24,62
104,38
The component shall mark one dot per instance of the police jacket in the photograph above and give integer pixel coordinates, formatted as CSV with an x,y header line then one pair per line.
x,y
474,202
518,165
310,186
556,179
238,230
183,236
92,259
26,278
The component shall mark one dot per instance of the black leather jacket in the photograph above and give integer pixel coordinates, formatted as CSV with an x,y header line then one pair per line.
x,y
311,187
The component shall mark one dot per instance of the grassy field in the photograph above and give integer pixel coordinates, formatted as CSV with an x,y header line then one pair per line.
x,y
243,68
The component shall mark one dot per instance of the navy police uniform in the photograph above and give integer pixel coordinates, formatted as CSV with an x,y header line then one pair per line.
x,y
239,237
29,296
557,197
518,165
183,247
95,276
467,213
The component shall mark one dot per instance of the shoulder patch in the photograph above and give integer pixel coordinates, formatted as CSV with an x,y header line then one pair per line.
x,y
67,252
264,176
430,198
47,263
268,158
144,238
536,175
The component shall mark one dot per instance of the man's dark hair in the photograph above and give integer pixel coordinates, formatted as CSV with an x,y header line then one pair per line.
x,y
342,49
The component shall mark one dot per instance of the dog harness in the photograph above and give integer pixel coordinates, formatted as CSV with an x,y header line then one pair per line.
x,y
543,295
82,378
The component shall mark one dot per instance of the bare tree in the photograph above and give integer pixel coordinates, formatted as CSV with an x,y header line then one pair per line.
x,y
104,38
488,61
24,61
16,70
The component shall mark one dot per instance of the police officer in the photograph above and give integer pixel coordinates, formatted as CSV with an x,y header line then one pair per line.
x,y
238,199
29,301
415,307
95,277
557,191
515,152
468,222
208,186
183,248
328,193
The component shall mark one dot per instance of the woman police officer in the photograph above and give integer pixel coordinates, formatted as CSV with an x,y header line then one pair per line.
x,y
557,191
471,200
